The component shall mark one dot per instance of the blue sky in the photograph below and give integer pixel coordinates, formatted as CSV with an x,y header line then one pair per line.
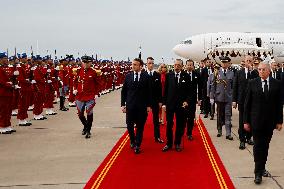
x,y
117,28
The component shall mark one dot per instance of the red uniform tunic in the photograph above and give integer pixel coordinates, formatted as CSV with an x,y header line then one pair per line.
x,y
39,88
25,91
87,84
49,87
6,97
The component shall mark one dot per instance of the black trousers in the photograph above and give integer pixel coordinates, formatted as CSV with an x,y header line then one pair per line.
x,y
212,110
136,116
155,111
190,119
180,124
260,149
206,105
243,134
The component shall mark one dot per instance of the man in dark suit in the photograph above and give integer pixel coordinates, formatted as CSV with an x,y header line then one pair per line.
x,y
135,102
206,71
175,101
194,84
156,97
263,112
275,73
239,93
199,70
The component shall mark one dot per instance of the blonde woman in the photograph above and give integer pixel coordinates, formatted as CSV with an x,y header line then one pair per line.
x,y
163,70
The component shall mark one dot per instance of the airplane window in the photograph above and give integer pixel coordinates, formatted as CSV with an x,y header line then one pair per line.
x,y
276,43
188,42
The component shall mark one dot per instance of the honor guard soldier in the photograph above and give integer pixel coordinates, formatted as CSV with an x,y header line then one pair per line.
x,y
221,93
25,91
39,82
63,83
6,96
86,89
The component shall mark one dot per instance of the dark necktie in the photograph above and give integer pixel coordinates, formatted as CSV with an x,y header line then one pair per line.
x,y
225,73
248,75
190,76
151,74
177,78
265,88
136,77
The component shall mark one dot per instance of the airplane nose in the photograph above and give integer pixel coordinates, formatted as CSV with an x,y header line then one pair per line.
x,y
180,50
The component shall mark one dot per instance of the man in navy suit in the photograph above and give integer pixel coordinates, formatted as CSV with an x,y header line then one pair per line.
x,y
156,97
135,102
263,112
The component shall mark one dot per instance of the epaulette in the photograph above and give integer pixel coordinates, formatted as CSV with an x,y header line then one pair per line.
x,y
99,72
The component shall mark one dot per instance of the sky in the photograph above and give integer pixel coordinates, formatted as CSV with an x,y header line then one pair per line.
x,y
118,28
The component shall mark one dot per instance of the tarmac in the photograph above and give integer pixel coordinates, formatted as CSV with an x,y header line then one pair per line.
x,y
52,154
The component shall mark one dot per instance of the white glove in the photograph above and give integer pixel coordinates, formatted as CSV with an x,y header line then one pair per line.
x,y
96,97
33,82
211,101
61,83
57,68
17,87
27,80
48,71
75,92
10,83
16,72
49,81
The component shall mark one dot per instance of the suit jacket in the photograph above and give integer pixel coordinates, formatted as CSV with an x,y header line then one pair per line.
x,y
194,87
222,91
176,94
204,79
254,74
136,96
278,75
240,86
263,113
156,88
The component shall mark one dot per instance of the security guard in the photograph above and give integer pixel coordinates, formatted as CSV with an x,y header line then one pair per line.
x,y
221,93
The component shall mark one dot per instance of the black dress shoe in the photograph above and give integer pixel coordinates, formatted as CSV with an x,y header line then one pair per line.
x,y
257,179
6,132
64,109
178,148
13,131
132,145
242,146
229,137
219,134
39,118
88,135
166,148
137,150
159,140
265,173
206,116
44,117
211,118
25,124
250,142
84,132
189,137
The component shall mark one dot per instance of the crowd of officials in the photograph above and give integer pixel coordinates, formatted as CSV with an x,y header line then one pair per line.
x,y
254,87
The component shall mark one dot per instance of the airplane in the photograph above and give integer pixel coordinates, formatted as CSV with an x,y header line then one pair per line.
x,y
268,46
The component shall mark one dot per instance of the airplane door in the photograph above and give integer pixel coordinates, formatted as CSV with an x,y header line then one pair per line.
x,y
258,42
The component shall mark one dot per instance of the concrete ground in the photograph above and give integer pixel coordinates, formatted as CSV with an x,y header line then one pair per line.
x,y
52,154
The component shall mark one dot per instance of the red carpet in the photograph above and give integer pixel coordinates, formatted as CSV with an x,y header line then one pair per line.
x,y
197,166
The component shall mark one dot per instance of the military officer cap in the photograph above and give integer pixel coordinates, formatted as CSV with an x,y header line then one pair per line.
x,y
225,59
257,60
216,65
3,55
86,59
